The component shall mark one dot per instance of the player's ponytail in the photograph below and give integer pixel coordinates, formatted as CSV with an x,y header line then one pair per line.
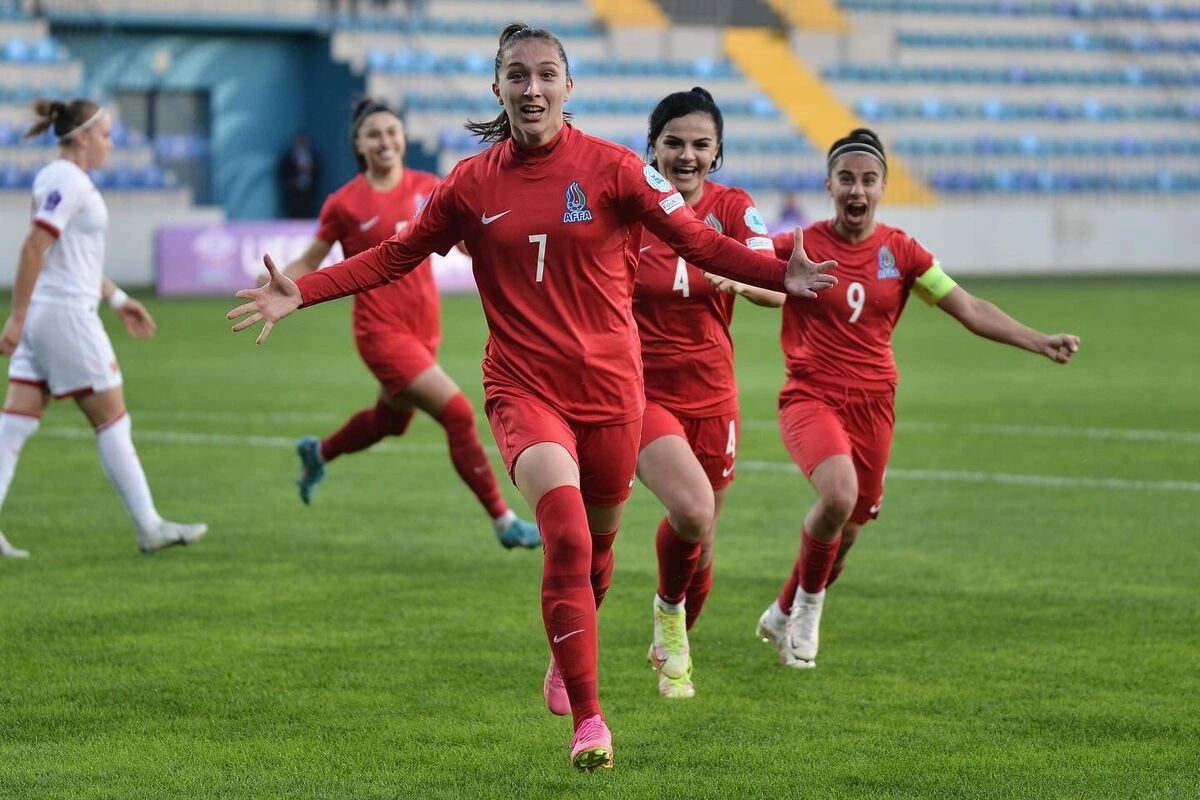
x,y
680,104
65,119
499,129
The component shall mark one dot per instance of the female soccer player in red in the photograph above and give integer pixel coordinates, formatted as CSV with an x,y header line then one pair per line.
x,y
552,218
396,327
836,411
691,425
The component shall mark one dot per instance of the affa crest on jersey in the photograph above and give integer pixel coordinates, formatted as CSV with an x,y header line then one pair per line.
x,y
577,210
714,223
52,200
887,264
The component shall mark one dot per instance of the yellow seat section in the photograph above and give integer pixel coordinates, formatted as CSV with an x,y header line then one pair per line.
x,y
799,92
630,13
812,15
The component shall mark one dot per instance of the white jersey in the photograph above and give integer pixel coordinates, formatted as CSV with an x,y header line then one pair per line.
x,y
67,204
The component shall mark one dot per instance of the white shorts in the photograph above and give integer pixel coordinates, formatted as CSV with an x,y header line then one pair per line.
x,y
65,350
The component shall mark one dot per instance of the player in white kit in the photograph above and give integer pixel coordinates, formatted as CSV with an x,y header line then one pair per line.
x,y
58,345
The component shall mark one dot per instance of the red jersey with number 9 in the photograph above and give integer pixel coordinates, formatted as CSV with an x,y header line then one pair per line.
x,y
553,233
360,217
683,322
844,336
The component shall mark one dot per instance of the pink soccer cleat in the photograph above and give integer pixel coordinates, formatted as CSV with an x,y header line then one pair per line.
x,y
592,746
556,691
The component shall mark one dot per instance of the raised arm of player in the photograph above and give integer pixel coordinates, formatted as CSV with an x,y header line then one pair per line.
x,y
985,319
663,210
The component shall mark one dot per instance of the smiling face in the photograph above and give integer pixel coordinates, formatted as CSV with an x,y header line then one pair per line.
x,y
685,151
533,84
380,142
856,183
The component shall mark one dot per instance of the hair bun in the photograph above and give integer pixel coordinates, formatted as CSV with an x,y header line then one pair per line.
x,y
700,90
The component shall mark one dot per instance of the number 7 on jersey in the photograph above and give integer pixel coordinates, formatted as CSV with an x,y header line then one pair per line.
x,y
540,239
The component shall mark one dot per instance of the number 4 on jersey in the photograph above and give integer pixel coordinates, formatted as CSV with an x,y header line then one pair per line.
x,y
681,278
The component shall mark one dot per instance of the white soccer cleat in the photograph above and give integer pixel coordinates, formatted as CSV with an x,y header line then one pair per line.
x,y
772,626
168,533
8,551
803,630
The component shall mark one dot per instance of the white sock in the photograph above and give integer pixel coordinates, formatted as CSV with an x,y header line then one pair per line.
x,y
124,471
504,520
673,608
15,429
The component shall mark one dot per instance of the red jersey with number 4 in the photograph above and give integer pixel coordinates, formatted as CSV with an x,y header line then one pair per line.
x,y
844,336
554,233
683,322
360,217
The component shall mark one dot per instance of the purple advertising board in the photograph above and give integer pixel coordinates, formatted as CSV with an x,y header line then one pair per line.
x,y
219,259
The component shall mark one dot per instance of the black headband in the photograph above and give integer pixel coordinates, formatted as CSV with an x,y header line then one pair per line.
x,y
857,147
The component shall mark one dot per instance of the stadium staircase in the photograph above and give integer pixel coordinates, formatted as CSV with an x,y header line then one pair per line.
x,y
801,94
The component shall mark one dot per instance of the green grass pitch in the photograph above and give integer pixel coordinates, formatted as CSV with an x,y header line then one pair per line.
x,y
1022,622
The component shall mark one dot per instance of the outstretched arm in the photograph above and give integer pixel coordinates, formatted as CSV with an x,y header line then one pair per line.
x,y
309,260
987,320
759,297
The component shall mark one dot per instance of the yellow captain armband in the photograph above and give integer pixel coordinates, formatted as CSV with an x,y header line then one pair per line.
x,y
934,285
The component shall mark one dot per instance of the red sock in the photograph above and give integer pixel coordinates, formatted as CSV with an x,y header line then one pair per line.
x,y
568,603
697,592
602,564
365,429
812,568
677,559
466,451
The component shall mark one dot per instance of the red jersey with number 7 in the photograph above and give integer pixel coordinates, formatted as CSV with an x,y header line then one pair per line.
x,y
844,336
687,350
360,217
554,233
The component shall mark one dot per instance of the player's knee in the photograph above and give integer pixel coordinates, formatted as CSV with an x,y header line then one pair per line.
x,y
837,502
394,421
693,516
457,416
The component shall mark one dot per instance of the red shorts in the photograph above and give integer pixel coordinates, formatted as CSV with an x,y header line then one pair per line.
x,y
821,421
712,439
395,359
606,454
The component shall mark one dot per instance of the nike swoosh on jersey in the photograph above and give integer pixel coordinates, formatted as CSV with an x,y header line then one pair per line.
x,y
644,249
367,225
486,220
725,473
565,636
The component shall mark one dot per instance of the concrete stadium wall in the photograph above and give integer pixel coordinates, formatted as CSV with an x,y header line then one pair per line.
x,y
134,218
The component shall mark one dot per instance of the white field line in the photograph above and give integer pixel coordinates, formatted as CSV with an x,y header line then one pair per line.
x,y
194,439
903,426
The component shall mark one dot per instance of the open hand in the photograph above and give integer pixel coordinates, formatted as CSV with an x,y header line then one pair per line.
x,y
271,302
137,320
804,278
1059,347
